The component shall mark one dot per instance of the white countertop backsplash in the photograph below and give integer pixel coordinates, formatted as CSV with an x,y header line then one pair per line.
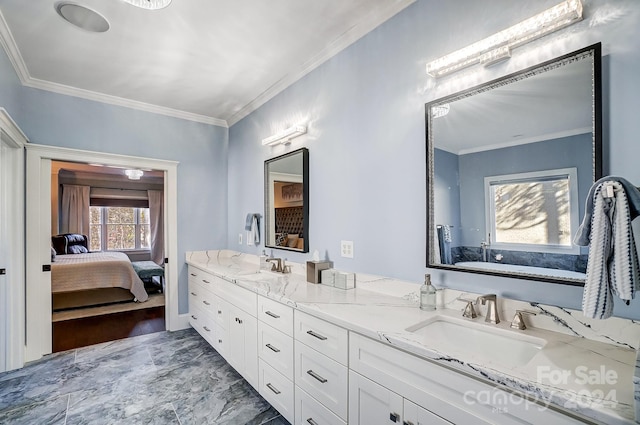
x,y
382,308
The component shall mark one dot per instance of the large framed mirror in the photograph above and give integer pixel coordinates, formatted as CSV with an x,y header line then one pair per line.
x,y
509,166
286,194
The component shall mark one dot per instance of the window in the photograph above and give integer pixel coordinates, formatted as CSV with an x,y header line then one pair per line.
x,y
533,211
119,228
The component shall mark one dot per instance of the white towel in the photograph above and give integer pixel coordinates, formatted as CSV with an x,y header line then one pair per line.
x,y
612,267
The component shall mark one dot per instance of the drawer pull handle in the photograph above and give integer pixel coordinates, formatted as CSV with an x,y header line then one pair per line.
x,y
194,317
219,341
317,335
272,348
193,274
407,423
194,294
310,421
268,313
316,376
272,388
393,417
219,311
206,302
206,329
239,320
205,281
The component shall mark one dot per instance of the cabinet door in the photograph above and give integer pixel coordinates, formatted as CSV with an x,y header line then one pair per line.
x,y
416,415
243,344
371,403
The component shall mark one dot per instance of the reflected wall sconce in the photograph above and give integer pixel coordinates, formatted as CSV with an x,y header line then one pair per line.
x,y
134,174
285,136
498,46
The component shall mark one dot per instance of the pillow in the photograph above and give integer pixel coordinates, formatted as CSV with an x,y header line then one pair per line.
x,y
53,254
292,241
77,249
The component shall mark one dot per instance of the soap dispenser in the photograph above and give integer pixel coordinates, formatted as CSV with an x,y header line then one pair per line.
x,y
264,265
427,295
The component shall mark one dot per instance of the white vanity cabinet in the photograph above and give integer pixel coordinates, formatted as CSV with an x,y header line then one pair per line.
x,y
371,404
275,350
446,394
225,315
321,360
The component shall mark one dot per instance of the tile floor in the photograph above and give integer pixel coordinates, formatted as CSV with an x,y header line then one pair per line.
x,y
160,378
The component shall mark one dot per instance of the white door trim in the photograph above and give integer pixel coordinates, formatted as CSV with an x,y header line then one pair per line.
x,y
38,313
15,139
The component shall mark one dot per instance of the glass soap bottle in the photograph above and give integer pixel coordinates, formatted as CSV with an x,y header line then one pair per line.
x,y
427,295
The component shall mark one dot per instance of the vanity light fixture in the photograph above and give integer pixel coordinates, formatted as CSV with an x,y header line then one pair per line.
x,y
134,174
498,46
149,4
285,135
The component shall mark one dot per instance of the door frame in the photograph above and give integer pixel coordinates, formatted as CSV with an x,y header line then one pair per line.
x,y
38,236
15,139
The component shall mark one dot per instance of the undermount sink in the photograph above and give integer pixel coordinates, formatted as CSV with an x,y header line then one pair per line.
x,y
477,341
255,275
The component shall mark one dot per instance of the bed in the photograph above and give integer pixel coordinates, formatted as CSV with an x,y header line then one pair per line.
x,y
94,278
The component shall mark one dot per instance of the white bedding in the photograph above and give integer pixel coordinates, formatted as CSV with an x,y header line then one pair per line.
x,y
78,272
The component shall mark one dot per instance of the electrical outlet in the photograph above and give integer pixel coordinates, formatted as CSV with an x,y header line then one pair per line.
x,y
239,238
346,249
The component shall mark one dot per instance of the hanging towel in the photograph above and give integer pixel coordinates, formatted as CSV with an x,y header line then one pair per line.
x,y
612,267
444,242
252,226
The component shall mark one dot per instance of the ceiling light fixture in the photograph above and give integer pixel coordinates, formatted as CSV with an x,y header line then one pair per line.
x,y
285,136
134,174
498,46
149,4
82,17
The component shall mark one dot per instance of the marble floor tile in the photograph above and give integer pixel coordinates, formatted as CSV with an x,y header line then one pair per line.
x,y
160,378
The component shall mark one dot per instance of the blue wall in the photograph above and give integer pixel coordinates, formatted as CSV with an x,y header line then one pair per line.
x,y
365,112
52,119
446,189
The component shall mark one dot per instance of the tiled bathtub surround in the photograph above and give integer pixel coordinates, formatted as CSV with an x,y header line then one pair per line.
x,y
576,263
160,378
383,308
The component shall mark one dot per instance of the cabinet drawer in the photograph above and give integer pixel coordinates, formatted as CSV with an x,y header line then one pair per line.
x,y
310,412
202,322
276,348
277,390
275,314
195,294
325,337
242,298
323,378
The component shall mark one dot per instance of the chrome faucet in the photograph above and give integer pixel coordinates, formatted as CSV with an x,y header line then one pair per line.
x,y
486,249
492,308
279,265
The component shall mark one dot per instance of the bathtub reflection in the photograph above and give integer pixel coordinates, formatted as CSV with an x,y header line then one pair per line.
x,y
540,271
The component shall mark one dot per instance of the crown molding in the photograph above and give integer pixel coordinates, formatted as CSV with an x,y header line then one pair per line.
x,y
370,22
120,101
11,48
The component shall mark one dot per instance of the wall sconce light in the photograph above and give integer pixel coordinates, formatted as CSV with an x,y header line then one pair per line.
x,y
285,136
134,174
498,46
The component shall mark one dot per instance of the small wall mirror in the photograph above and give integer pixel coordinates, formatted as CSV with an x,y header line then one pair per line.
x,y
510,164
286,194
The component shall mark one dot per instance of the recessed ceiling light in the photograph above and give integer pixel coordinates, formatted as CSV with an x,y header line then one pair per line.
x,y
82,17
149,4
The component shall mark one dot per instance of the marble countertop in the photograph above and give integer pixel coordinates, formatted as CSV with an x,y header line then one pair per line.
x,y
585,376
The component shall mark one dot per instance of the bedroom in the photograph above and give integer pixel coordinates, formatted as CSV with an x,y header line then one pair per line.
x,y
105,285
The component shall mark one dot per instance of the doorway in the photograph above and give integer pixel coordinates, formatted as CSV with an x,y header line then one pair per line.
x,y
39,230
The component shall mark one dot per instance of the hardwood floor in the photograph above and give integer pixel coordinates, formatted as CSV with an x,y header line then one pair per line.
x,y
83,327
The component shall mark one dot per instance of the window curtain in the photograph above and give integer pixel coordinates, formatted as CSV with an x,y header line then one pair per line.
x,y
156,227
74,214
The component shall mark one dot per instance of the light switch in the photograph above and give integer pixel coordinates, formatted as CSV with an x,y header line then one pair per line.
x,y
346,249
